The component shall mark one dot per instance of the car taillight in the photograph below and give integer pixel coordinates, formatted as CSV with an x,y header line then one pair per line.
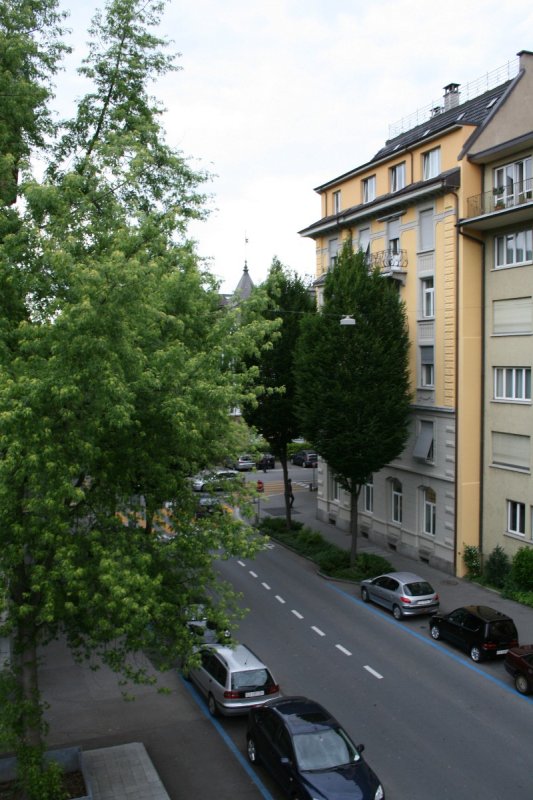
x,y
232,695
489,646
436,597
272,689
405,599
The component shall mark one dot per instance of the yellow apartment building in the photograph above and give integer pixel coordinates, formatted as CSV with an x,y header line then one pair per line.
x,y
402,209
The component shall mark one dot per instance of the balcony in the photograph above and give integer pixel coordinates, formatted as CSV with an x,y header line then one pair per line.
x,y
502,199
391,263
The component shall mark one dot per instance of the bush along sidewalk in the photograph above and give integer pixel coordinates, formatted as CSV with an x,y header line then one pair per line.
x,y
511,577
332,561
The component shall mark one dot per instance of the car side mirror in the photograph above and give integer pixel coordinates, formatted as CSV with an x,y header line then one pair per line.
x,y
360,748
286,762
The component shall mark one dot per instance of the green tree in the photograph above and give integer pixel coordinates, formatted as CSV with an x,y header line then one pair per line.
x,y
357,413
117,373
273,413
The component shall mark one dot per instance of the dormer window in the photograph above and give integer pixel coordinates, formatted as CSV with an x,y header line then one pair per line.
x,y
431,164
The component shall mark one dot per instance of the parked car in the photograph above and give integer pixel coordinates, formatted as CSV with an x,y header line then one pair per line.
x,y
308,753
245,463
218,480
205,629
404,593
233,679
481,631
305,458
267,461
519,663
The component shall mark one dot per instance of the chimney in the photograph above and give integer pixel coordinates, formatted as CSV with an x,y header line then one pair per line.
x,y
451,96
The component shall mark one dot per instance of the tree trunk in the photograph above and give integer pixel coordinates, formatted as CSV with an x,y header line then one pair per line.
x,y
354,522
286,493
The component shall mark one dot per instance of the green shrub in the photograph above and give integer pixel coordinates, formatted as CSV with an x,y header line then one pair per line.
x,y
369,565
521,572
526,598
497,567
472,560
274,525
332,560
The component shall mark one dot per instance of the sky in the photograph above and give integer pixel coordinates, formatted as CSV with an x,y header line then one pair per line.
x,y
276,97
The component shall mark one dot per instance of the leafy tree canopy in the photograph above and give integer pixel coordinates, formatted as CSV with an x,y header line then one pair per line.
x,y
118,365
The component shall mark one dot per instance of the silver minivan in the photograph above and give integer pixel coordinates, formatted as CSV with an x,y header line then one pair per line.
x,y
233,679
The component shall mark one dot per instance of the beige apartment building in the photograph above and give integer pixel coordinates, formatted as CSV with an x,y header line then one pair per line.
x,y
407,210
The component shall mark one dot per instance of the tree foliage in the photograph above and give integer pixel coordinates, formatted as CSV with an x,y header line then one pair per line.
x,y
357,412
118,368
273,411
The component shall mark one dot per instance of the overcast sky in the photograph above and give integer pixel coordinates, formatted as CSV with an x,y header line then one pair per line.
x,y
279,96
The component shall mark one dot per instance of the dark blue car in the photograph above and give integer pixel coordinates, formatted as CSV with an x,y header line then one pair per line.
x,y
308,753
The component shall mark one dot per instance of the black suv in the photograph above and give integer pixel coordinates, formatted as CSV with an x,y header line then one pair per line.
x,y
305,458
481,631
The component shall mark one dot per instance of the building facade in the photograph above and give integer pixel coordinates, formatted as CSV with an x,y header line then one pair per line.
x,y
501,218
403,209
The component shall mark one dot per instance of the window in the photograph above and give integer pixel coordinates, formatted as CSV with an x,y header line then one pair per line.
x,y
513,248
427,365
364,241
512,182
428,297
431,164
369,189
426,230
333,251
336,202
430,511
512,316
393,236
516,517
424,443
369,495
511,450
396,501
512,383
397,177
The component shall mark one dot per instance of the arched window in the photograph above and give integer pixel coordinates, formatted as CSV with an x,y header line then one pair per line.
x,y
429,511
396,501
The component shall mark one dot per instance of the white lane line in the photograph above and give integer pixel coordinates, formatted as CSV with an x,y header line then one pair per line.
x,y
297,614
280,599
253,574
266,586
343,650
317,630
242,564
374,673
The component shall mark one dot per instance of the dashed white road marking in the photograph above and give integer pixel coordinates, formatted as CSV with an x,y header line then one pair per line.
x,y
253,574
266,585
280,599
343,650
374,673
241,563
297,614
317,630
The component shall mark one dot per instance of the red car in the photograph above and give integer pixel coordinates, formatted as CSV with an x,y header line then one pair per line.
x,y
519,663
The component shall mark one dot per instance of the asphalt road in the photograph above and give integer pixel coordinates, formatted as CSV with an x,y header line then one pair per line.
x,y
434,724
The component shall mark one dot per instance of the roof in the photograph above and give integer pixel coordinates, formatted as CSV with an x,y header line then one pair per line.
x,y
473,112
244,288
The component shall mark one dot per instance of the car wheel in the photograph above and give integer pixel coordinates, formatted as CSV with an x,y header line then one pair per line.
x,y
435,632
397,612
251,749
364,595
521,684
476,654
212,706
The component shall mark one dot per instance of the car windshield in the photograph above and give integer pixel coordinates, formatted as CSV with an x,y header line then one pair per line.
x,y
324,749
250,679
418,588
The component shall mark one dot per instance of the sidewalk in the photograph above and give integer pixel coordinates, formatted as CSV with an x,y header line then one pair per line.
x,y
453,592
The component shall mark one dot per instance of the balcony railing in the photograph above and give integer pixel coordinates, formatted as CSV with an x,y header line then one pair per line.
x,y
500,199
389,260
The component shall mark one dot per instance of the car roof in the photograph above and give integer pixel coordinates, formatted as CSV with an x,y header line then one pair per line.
x,y
302,714
238,657
486,613
406,577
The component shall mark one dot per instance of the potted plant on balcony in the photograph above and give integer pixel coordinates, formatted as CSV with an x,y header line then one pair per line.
x,y
499,201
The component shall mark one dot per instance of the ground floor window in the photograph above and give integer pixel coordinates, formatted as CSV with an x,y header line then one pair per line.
x,y
397,498
430,511
369,495
516,517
